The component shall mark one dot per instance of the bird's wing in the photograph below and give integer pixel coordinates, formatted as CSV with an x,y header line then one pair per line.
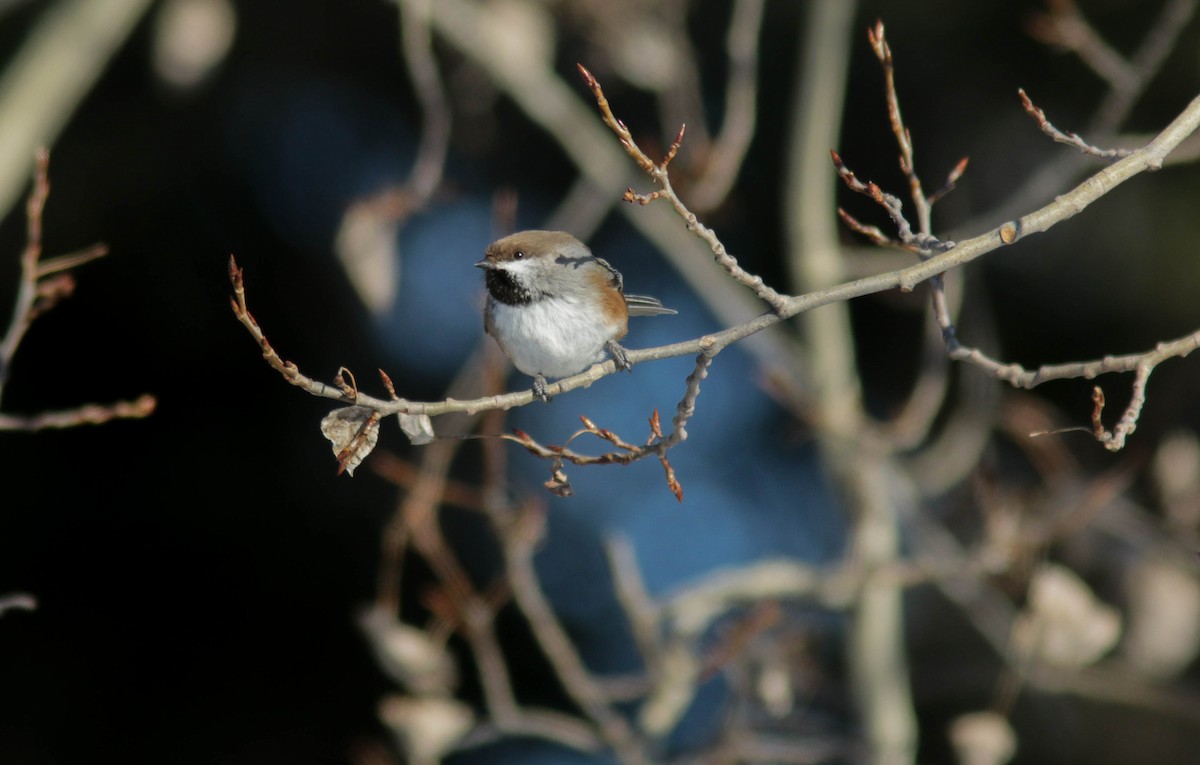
x,y
639,305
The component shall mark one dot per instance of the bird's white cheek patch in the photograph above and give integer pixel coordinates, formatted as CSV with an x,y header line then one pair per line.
x,y
517,267
552,337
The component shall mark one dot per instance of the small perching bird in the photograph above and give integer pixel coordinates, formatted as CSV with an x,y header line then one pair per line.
x,y
554,307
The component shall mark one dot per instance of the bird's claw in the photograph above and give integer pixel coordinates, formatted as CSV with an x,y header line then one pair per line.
x,y
539,388
619,357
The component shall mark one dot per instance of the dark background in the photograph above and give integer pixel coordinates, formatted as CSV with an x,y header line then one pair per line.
x,y
198,572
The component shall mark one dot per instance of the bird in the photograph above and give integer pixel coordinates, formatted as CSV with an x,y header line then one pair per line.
x,y
554,308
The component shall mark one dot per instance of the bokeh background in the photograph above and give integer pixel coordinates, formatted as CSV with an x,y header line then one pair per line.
x,y
199,573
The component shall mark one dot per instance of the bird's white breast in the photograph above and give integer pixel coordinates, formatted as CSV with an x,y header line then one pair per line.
x,y
554,336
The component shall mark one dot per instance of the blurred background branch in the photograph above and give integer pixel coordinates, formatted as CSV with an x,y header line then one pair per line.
x,y
57,65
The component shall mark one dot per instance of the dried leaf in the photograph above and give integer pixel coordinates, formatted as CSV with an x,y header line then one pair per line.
x,y
191,38
408,655
648,55
1064,623
353,431
418,428
520,32
1177,475
558,485
774,685
983,738
366,247
426,728
1164,618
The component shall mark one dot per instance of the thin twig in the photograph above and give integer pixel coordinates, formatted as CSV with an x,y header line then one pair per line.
x,y
1127,77
626,453
919,411
73,260
1149,157
1142,364
1051,177
658,173
88,414
1019,377
874,233
1070,139
920,242
883,52
42,283
27,290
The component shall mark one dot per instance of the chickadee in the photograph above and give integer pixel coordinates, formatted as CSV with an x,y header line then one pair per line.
x,y
554,308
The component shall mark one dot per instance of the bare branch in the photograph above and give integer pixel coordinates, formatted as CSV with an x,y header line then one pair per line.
x,y
27,291
88,414
1019,377
1010,232
658,173
1051,177
42,284
1070,139
1148,158
290,371
1127,77
951,181
919,242
626,453
883,52
874,233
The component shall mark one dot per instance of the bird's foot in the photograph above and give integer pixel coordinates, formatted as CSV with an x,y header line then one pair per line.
x,y
539,388
619,357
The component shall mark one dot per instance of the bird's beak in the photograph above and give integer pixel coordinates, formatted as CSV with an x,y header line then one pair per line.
x,y
485,264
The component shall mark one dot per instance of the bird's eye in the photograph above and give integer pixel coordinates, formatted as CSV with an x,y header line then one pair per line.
x,y
518,255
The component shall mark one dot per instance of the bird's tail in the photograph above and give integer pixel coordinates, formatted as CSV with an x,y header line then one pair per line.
x,y
644,305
